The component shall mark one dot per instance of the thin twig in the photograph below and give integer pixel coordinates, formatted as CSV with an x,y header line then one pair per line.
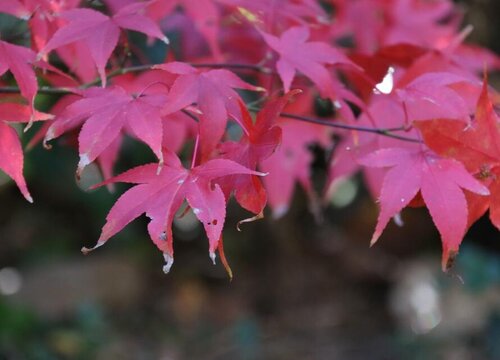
x,y
380,131
41,90
388,132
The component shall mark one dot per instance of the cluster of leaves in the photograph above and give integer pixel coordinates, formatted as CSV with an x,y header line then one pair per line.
x,y
409,107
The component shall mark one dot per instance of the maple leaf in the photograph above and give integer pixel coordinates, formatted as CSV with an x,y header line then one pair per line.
x,y
374,23
204,14
297,54
431,95
43,21
11,152
290,162
476,144
15,8
11,157
258,142
213,93
19,60
100,32
14,112
161,195
439,181
104,113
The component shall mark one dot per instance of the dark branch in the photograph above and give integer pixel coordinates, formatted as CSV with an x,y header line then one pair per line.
x,y
384,132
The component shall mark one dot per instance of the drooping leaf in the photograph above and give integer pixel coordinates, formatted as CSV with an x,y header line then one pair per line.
x,y
439,181
11,157
19,60
161,195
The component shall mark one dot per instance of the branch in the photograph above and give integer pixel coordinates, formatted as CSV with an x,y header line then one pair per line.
x,y
380,131
41,90
125,70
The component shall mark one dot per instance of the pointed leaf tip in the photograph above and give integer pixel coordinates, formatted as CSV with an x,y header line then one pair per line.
x,y
212,257
374,239
84,161
448,261
86,250
169,261
28,197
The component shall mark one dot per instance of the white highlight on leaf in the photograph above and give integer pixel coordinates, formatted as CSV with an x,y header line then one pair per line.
x,y
169,261
387,83
196,211
181,181
84,161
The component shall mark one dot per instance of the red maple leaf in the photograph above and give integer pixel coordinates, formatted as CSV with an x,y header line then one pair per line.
x,y
477,145
290,164
439,181
19,60
258,142
203,13
161,195
213,93
104,113
374,23
308,57
100,32
11,152
15,8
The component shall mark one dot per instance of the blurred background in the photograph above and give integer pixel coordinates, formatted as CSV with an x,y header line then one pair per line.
x,y
301,290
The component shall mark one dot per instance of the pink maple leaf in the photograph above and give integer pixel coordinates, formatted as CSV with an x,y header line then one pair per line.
x,y
476,145
308,57
439,181
104,113
19,60
258,142
213,92
100,32
161,195
11,152
15,8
